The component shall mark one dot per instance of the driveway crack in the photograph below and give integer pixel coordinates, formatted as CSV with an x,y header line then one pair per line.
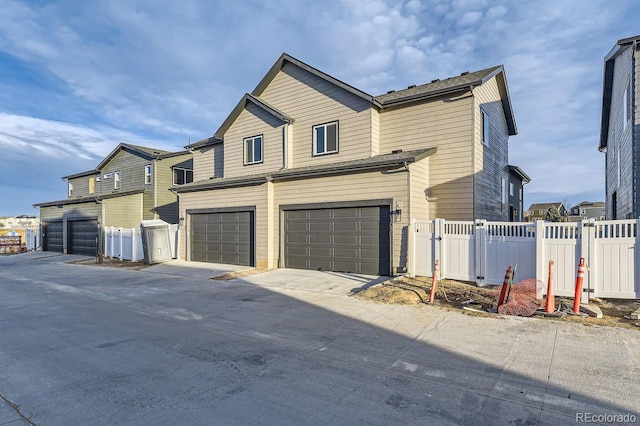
x,y
16,408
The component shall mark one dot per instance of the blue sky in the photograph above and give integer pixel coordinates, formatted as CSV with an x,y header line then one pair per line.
x,y
77,78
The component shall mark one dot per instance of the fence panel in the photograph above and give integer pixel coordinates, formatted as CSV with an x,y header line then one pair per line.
x,y
125,244
423,244
561,242
459,257
508,244
613,263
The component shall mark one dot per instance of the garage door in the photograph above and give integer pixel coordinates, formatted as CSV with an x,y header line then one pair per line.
x,y
353,239
82,237
223,237
52,236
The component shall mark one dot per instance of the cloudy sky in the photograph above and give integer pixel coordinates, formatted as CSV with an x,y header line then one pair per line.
x,y
77,78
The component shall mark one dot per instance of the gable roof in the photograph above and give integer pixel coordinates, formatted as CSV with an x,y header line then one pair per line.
x,y
607,85
242,105
87,199
520,173
203,142
81,174
544,206
463,82
142,151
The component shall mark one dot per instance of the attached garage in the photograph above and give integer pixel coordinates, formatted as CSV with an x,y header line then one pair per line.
x,y
223,237
52,236
343,239
82,237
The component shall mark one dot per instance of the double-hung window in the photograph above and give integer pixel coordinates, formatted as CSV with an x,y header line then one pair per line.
x,y
486,128
325,138
116,180
253,150
147,174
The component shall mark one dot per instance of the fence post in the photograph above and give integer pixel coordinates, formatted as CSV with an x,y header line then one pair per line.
x,y
540,254
121,243
133,245
480,237
439,246
587,246
412,251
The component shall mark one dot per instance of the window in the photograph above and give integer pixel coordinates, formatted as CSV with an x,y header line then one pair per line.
x,y
626,105
540,212
511,189
503,192
486,134
92,185
325,138
182,176
253,150
116,180
147,174
70,189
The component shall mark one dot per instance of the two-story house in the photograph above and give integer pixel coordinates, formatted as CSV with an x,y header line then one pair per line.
x,y
587,210
310,172
620,129
547,211
130,185
517,180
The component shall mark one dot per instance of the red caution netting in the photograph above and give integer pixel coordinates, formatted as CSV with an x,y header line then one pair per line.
x,y
521,300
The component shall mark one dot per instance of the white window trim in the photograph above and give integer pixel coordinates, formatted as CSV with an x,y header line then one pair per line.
x,y
148,170
184,171
252,139
116,180
315,142
69,189
486,128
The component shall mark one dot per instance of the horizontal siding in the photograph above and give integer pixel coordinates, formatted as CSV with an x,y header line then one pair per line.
x,y
419,205
166,201
231,197
375,132
50,213
208,162
81,186
448,125
311,100
253,121
123,212
131,168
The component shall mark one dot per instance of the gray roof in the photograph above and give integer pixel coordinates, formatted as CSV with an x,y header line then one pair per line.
x,y
204,142
81,174
143,151
384,161
520,173
90,199
607,85
544,206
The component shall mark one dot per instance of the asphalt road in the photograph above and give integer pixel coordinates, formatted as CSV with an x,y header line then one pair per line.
x,y
87,345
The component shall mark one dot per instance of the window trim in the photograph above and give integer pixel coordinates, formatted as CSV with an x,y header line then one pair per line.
x,y
626,105
148,171
314,142
116,180
69,189
184,170
486,127
245,141
92,185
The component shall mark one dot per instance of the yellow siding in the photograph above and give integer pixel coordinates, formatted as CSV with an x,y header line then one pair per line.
x,y
203,163
230,197
446,124
375,132
418,203
311,100
253,121
123,212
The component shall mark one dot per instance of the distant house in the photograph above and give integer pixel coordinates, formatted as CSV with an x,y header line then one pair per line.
x,y
620,129
587,210
517,179
547,211
130,185
310,172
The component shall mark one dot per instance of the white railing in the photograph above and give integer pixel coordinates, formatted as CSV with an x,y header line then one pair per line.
x,y
481,251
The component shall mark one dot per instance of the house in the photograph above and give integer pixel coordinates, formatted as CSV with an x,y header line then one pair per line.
x,y
310,172
555,212
517,180
587,210
130,185
620,129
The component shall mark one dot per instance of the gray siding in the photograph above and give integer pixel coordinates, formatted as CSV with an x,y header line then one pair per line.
x,y
166,202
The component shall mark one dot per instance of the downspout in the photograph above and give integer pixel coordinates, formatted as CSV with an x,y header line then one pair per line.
x,y
285,130
410,255
155,188
473,151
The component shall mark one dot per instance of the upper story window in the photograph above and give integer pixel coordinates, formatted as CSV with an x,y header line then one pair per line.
x,y
182,176
486,133
253,150
92,185
70,189
147,174
325,138
511,189
116,180
626,105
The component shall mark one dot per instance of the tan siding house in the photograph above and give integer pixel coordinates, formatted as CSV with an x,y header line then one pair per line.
x,y
336,176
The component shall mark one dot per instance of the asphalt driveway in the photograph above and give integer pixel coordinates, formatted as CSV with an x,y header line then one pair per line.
x,y
88,345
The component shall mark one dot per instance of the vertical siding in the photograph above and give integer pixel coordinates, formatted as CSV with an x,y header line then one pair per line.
x,y
311,100
230,197
253,121
491,162
352,187
123,212
446,124
620,141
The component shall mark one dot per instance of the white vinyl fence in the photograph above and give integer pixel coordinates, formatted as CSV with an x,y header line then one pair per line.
x,y
481,251
123,243
33,238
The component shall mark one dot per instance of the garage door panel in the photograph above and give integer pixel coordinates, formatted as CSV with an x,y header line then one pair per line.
x,y
353,239
226,237
82,237
52,238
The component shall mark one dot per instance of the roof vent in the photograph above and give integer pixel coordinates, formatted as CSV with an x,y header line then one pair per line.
x,y
437,79
396,151
411,87
464,73
391,91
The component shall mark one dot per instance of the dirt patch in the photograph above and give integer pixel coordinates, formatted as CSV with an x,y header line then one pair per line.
x,y
239,274
112,262
481,301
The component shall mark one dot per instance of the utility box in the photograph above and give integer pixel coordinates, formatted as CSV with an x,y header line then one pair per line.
x,y
156,243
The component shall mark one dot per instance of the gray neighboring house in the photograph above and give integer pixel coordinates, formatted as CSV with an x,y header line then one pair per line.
x,y
130,185
619,130
587,210
517,180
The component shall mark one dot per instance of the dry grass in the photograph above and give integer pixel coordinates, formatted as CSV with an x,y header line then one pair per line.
x,y
112,262
239,274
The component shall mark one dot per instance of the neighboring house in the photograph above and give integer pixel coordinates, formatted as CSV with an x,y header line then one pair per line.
x,y
587,210
547,211
310,172
620,129
20,222
517,180
130,185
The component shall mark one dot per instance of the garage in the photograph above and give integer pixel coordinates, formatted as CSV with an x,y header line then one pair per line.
x,y
82,237
52,236
345,239
223,237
